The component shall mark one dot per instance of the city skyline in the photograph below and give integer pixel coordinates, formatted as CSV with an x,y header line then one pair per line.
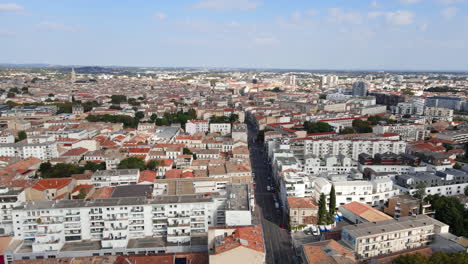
x,y
413,35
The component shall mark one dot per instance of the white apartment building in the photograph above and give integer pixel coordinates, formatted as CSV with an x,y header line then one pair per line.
x,y
439,113
196,126
8,199
373,193
332,164
222,128
43,151
407,132
351,147
6,137
114,226
373,239
115,177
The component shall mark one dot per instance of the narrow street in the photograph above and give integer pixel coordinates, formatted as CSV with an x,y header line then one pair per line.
x,y
277,240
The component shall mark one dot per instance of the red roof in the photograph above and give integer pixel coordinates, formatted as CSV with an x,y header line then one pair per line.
x,y
187,174
147,176
45,184
139,150
173,174
75,152
251,236
301,202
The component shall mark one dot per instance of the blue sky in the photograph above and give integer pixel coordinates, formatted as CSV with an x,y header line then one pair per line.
x,y
332,34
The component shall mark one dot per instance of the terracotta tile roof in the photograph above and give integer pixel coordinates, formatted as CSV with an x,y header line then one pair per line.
x,y
366,211
301,202
250,237
45,184
139,150
173,174
24,164
187,174
147,176
83,176
75,152
328,251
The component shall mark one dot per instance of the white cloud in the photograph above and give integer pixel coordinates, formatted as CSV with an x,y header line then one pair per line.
x,y
409,2
160,16
337,15
397,18
449,12
265,41
56,26
374,4
296,16
222,5
10,8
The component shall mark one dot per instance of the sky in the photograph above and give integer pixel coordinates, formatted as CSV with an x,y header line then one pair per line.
x,y
295,34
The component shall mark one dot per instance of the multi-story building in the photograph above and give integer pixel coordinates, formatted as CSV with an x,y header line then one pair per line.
x,y
130,225
448,182
373,239
302,211
351,147
359,89
332,164
6,137
457,136
115,177
410,132
454,103
222,128
9,198
197,126
439,113
43,151
406,205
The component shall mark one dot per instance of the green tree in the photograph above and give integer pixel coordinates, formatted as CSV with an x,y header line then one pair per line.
x,y
22,135
82,194
317,127
466,190
132,163
139,115
457,166
10,95
322,210
94,166
361,126
332,204
154,164
450,210
347,130
421,209
411,259
118,99
420,190
187,151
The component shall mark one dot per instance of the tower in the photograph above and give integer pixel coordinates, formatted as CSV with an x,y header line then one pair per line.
x,y
73,75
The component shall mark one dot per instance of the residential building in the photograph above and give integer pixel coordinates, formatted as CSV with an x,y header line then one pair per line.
x,y
44,151
410,132
222,128
328,251
115,177
236,245
357,213
406,205
373,239
351,147
196,126
302,211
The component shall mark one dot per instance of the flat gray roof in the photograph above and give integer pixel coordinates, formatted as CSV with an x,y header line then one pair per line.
x,y
126,201
393,225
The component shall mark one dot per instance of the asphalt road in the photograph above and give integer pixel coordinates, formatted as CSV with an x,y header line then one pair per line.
x,y
277,240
